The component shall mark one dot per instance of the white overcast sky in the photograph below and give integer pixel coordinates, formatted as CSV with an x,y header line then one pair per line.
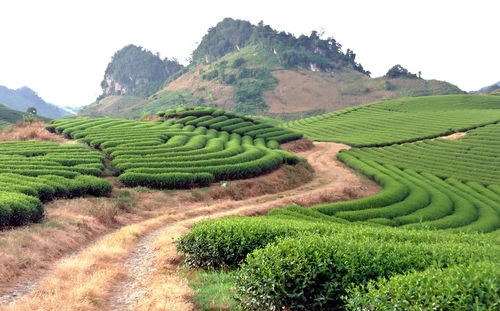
x,y
61,48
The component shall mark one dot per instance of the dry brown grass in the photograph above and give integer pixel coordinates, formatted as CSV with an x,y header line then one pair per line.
x,y
27,252
25,131
84,281
300,145
166,289
306,90
69,225
285,178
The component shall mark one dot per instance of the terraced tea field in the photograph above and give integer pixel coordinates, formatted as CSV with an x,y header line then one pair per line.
x,y
435,184
366,254
189,147
32,172
401,120
430,239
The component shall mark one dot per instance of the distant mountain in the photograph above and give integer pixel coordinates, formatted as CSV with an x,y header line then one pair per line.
x,y
71,110
254,69
488,89
25,97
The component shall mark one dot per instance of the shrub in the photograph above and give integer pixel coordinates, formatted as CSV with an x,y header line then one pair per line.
x,y
462,287
314,272
166,180
17,209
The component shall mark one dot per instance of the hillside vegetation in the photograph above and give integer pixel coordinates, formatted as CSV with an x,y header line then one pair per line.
x,y
254,69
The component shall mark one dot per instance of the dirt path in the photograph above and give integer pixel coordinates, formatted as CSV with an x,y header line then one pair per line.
x,y
332,182
138,265
330,176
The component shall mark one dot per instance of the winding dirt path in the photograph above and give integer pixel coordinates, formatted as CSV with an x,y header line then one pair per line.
x,y
330,175
138,264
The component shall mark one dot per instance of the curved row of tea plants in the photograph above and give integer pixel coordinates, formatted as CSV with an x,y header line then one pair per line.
x,y
32,172
413,200
401,120
475,157
174,154
230,122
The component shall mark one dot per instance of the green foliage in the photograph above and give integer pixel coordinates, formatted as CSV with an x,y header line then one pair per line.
x,y
166,180
471,158
31,110
29,118
17,208
399,71
438,193
286,266
172,99
464,287
313,272
249,84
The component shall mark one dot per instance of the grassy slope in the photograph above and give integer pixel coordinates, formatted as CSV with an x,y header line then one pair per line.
x,y
299,93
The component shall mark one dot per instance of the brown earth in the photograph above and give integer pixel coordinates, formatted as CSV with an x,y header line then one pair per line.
x,y
88,279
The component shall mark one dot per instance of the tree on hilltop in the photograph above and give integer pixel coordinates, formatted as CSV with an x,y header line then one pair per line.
x,y
398,71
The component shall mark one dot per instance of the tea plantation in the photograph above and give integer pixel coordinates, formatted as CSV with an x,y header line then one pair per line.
x,y
429,240
188,147
401,120
33,172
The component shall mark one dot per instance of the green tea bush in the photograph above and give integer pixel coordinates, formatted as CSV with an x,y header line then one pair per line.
x,y
463,287
314,272
166,180
17,209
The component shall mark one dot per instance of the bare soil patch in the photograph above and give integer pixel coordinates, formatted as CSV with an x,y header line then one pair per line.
x,y
456,135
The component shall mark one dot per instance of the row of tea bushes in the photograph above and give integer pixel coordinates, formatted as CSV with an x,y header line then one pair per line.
x,y
32,172
401,120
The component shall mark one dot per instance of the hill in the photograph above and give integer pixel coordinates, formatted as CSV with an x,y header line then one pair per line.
x,y
136,71
25,97
253,69
9,116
